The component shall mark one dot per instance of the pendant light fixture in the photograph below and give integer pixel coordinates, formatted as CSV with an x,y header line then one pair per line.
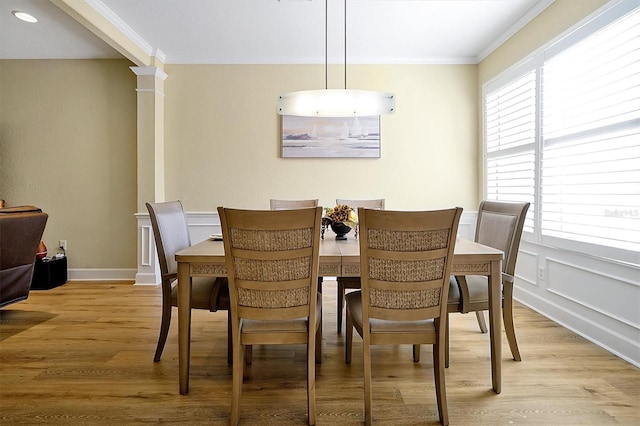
x,y
336,102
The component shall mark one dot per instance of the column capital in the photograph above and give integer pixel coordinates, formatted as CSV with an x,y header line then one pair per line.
x,y
153,71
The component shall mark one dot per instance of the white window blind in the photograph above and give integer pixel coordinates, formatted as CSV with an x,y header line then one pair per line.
x,y
562,131
590,168
510,134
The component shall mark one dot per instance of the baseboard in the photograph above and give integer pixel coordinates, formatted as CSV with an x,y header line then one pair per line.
x,y
102,274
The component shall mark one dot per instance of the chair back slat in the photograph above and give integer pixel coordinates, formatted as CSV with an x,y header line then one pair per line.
x,y
367,204
408,241
291,204
271,240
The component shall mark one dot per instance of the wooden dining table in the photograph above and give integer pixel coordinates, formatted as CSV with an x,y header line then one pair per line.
x,y
338,258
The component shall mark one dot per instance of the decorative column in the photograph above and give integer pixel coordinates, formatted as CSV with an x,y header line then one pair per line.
x,y
150,143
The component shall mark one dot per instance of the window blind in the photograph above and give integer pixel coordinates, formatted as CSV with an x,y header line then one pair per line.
x,y
590,173
562,131
510,135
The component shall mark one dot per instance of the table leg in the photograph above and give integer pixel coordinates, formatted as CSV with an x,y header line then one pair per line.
x,y
184,325
495,324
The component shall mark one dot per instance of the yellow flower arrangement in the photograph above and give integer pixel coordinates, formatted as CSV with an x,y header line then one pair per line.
x,y
342,213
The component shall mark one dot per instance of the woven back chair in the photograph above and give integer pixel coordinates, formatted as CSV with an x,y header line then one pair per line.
x,y
291,204
171,234
499,225
272,265
345,283
286,205
405,262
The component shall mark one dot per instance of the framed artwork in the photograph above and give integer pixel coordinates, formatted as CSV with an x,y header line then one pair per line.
x,y
330,137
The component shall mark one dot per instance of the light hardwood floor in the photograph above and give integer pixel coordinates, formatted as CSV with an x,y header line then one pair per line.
x,y
82,353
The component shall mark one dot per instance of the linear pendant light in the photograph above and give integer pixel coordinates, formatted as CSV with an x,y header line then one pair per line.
x,y
336,102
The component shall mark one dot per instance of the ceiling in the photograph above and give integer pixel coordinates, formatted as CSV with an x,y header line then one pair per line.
x,y
274,31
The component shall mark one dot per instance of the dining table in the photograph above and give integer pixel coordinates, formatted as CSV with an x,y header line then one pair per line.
x,y
338,258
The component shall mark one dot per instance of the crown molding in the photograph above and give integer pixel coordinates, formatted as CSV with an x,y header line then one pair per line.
x,y
117,22
528,17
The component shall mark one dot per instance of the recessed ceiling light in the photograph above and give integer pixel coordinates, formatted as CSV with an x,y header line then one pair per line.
x,y
24,16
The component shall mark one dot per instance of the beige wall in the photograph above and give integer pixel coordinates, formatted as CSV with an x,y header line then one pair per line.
x,y
554,20
68,145
223,138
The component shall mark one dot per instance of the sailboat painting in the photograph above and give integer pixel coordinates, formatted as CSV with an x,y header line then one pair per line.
x,y
330,137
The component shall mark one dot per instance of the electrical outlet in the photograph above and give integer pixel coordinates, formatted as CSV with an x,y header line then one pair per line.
x,y
541,273
63,245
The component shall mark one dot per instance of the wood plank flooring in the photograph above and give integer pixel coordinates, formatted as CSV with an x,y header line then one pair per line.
x,y
82,354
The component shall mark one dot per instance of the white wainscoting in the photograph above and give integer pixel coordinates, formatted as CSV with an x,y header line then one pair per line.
x,y
596,298
201,225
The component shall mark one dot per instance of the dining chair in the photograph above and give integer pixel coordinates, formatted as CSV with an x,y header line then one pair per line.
x,y
272,262
171,234
499,225
352,283
286,205
292,204
405,263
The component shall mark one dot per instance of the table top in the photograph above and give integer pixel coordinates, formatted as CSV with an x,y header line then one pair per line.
x,y
332,249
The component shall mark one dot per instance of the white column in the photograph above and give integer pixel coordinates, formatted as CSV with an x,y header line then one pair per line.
x,y
150,152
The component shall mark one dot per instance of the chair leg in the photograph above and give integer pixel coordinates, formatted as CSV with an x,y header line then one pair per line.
x,y
446,343
229,340
238,365
340,307
416,353
366,350
438,373
481,321
349,339
165,322
507,316
311,381
248,354
318,348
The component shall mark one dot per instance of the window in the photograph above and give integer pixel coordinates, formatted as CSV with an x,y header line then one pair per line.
x,y
510,129
562,131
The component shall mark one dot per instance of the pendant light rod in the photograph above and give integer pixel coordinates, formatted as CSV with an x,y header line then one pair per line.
x,y
326,49
345,44
335,102
326,44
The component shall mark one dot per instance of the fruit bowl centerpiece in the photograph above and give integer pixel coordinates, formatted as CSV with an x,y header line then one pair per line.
x,y
341,218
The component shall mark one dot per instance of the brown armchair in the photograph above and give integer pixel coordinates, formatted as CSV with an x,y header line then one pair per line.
x,y
21,230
